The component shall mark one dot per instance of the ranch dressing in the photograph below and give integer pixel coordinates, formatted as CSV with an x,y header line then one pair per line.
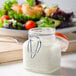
x,y
42,51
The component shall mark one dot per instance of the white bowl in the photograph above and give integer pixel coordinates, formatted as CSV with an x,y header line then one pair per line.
x,y
14,33
24,33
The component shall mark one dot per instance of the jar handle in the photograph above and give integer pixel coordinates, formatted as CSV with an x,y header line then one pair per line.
x,y
64,41
29,47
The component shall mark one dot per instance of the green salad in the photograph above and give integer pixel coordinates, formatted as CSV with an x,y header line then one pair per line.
x,y
33,14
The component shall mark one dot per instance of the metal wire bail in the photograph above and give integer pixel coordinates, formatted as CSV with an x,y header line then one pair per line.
x,y
29,47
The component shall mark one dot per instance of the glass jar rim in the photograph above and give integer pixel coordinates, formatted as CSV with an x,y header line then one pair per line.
x,y
42,31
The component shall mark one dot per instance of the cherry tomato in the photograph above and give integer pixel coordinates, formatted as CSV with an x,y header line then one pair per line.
x,y
4,17
38,6
30,25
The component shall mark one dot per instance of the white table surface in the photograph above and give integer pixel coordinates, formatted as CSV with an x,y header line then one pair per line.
x,y
68,68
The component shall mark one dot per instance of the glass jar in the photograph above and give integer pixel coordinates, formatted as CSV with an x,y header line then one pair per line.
x,y
42,51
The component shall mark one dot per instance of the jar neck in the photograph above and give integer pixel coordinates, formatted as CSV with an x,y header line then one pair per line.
x,y
43,34
46,38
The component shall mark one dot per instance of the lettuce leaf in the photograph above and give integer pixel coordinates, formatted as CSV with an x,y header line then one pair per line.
x,y
48,22
7,6
1,24
18,16
31,2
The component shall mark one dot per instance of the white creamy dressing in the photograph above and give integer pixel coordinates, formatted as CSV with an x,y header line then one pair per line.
x,y
47,60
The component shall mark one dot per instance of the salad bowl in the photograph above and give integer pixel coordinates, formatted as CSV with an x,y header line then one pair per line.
x,y
13,33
